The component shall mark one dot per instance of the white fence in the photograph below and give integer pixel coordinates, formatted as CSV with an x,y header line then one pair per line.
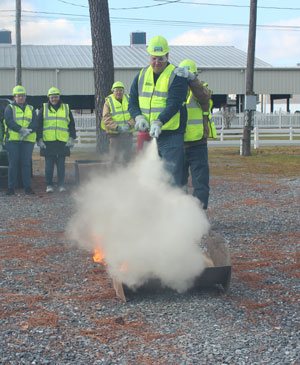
x,y
269,129
259,136
86,137
85,121
280,120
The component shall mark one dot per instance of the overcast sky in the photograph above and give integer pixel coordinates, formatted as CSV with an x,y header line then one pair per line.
x,y
182,22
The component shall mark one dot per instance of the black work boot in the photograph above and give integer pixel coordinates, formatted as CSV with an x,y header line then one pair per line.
x,y
29,191
10,191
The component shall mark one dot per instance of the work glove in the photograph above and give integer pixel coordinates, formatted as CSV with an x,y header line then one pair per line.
x,y
184,72
70,142
24,132
141,124
155,129
41,143
123,128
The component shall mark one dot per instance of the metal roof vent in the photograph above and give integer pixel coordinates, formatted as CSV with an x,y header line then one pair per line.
x,y
5,36
138,39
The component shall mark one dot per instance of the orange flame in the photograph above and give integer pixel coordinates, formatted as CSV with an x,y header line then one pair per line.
x,y
99,256
98,252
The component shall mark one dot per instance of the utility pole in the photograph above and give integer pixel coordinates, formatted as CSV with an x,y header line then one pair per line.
x,y
18,72
250,98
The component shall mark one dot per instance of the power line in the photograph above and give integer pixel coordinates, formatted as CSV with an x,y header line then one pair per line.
x,y
69,3
160,22
201,24
169,2
128,8
228,5
147,6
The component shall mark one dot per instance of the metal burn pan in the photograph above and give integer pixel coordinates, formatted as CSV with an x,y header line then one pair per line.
x,y
85,168
218,275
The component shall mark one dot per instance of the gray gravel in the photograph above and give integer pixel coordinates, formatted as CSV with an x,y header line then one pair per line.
x,y
58,307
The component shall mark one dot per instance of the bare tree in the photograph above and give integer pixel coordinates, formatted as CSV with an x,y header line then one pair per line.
x,y
103,63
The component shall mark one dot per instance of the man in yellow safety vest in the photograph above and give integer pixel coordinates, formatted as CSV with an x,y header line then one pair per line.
x,y
199,128
118,124
157,104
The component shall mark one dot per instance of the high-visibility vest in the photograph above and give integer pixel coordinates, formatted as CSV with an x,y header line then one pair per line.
x,y
194,128
153,98
211,123
23,119
56,123
119,111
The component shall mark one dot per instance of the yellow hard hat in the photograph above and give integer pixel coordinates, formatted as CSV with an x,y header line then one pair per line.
x,y
189,65
53,91
117,84
19,90
158,46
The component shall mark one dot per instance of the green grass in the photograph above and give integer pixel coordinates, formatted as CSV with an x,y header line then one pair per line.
x,y
280,162
283,162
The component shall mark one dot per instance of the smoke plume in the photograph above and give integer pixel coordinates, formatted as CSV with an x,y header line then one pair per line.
x,y
144,227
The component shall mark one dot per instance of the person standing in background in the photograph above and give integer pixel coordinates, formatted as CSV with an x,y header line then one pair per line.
x,y
118,124
55,136
20,123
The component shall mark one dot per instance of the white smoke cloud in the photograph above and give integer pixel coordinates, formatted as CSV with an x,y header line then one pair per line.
x,y
145,228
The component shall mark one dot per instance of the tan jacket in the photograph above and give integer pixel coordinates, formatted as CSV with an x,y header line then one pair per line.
x,y
109,123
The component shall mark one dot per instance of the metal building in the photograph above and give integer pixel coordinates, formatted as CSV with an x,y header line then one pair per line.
x,y
70,68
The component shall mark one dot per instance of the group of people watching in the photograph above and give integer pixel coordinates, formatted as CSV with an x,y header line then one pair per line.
x,y
166,102
170,104
53,128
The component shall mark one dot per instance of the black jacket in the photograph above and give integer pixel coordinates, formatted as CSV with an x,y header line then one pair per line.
x,y
54,148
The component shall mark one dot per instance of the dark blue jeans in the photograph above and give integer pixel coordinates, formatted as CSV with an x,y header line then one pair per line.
x,y
59,161
19,151
170,148
196,158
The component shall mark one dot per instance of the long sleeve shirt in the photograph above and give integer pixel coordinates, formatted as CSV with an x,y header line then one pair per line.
x,y
200,93
176,97
109,123
11,124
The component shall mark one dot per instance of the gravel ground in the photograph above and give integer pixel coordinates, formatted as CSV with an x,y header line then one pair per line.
x,y
58,306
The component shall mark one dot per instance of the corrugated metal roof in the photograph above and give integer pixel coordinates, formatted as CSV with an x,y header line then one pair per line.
x,y
70,56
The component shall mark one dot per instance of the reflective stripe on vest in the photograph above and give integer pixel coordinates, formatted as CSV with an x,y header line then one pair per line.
x,y
153,98
56,123
194,127
119,111
4,131
211,124
23,119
